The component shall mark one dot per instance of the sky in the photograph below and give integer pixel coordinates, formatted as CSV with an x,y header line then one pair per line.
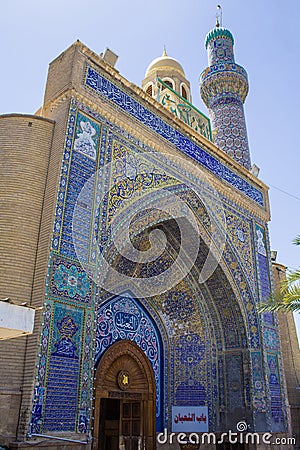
x,y
266,34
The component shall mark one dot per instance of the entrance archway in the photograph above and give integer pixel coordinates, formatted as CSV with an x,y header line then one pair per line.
x,y
124,399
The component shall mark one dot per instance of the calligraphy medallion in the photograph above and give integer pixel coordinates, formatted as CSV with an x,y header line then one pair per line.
x,y
123,379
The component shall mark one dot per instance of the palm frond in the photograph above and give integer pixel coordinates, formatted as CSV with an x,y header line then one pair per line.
x,y
291,284
280,306
296,241
293,277
287,297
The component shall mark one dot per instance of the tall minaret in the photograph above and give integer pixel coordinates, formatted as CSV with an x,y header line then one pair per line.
x,y
223,88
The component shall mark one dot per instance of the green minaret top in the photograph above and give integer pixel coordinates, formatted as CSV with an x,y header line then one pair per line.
x,y
216,33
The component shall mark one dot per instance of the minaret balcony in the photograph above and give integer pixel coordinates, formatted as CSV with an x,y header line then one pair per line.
x,y
223,67
223,79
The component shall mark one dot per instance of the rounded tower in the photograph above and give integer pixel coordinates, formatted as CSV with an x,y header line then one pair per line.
x,y
223,88
170,71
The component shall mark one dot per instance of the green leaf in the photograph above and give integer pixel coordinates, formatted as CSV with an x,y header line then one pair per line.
x,y
287,297
296,241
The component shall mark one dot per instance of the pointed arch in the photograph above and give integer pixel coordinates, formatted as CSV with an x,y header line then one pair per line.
x,y
124,317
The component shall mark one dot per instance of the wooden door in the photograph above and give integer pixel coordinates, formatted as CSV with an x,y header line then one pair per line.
x,y
124,377
131,425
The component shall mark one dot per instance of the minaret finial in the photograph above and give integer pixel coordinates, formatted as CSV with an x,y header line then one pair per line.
x,y
219,16
165,51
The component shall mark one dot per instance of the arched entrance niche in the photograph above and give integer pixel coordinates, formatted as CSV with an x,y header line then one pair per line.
x,y
226,306
209,331
209,326
124,317
124,399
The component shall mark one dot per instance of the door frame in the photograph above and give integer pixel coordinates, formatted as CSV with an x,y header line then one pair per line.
x,y
125,357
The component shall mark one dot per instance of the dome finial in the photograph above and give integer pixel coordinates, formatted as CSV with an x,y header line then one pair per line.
x,y
165,51
219,16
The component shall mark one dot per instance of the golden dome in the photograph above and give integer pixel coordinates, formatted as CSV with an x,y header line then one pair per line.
x,y
164,62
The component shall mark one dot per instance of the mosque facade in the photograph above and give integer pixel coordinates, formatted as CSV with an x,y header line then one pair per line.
x,y
139,233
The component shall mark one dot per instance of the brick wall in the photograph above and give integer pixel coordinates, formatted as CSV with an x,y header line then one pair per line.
x,y
25,143
290,356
